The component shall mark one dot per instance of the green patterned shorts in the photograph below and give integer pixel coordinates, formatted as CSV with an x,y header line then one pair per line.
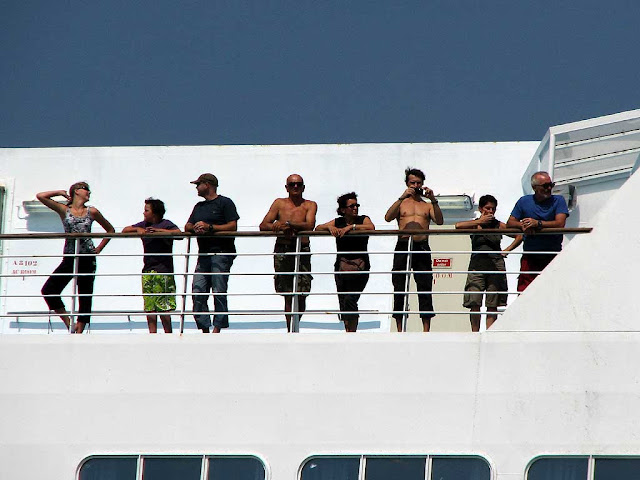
x,y
152,282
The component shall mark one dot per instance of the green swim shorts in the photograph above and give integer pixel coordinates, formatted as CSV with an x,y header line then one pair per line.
x,y
152,282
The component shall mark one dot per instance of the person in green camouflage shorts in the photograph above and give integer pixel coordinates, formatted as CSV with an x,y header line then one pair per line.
x,y
156,283
157,273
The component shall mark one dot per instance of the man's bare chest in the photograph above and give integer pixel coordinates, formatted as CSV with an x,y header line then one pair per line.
x,y
294,212
414,209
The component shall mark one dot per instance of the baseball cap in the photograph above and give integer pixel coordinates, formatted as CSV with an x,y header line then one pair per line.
x,y
208,178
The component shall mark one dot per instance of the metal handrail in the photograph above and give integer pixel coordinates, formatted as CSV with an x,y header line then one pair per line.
x,y
295,313
312,233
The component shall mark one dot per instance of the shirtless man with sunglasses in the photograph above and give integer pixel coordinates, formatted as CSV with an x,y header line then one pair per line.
x,y
290,215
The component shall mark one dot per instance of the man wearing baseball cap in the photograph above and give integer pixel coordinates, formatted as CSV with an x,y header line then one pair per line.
x,y
215,213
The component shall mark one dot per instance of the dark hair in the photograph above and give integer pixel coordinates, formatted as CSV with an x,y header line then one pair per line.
x,y
74,187
157,206
487,199
342,201
413,171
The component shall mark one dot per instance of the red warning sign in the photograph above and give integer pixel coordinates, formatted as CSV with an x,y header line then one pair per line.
x,y
442,262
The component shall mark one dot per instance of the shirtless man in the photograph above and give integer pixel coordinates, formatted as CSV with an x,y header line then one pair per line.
x,y
413,213
291,215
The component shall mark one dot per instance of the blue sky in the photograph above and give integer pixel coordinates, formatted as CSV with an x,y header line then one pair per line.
x,y
78,73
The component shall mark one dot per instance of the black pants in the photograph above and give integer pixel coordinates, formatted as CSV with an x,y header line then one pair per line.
x,y
420,262
55,284
349,282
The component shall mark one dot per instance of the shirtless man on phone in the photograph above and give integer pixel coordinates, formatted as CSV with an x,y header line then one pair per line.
x,y
413,213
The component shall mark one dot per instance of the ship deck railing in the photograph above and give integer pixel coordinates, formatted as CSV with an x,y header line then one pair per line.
x,y
20,304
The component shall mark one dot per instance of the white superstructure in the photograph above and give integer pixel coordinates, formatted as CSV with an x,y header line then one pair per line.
x,y
556,376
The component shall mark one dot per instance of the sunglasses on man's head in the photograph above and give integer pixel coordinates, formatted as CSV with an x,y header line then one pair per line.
x,y
83,188
547,185
295,184
353,205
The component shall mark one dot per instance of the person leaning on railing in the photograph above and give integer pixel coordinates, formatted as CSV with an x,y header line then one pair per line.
x,y
290,215
76,217
350,221
490,282
216,213
532,213
157,272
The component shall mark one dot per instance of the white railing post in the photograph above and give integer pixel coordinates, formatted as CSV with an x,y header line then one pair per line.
x,y
407,283
184,288
295,304
74,288
295,307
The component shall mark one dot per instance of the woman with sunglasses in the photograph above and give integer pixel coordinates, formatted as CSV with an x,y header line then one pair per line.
x,y
352,257
76,217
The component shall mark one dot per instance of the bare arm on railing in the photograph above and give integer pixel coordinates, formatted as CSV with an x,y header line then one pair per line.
x,y
478,222
270,220
309,221
330,226
287,217
132,229
485,220
530,225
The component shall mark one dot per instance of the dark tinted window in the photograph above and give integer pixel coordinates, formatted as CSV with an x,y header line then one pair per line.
x,y
335,468
394,468
559,468
452,468
174,468
110,468
239,468
617,468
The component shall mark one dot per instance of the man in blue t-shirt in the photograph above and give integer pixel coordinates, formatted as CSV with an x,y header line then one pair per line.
x,y
532,213
214,214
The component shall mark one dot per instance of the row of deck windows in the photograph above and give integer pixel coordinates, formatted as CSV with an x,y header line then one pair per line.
x,y
352,468
178,467
577,468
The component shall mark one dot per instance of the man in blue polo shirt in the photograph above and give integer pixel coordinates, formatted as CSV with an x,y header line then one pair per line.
x,y
532,213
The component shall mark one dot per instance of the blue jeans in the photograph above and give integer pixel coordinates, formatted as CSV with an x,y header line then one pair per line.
x,y
203,283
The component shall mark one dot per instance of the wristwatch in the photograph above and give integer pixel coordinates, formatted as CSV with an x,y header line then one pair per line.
x,y
539,223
